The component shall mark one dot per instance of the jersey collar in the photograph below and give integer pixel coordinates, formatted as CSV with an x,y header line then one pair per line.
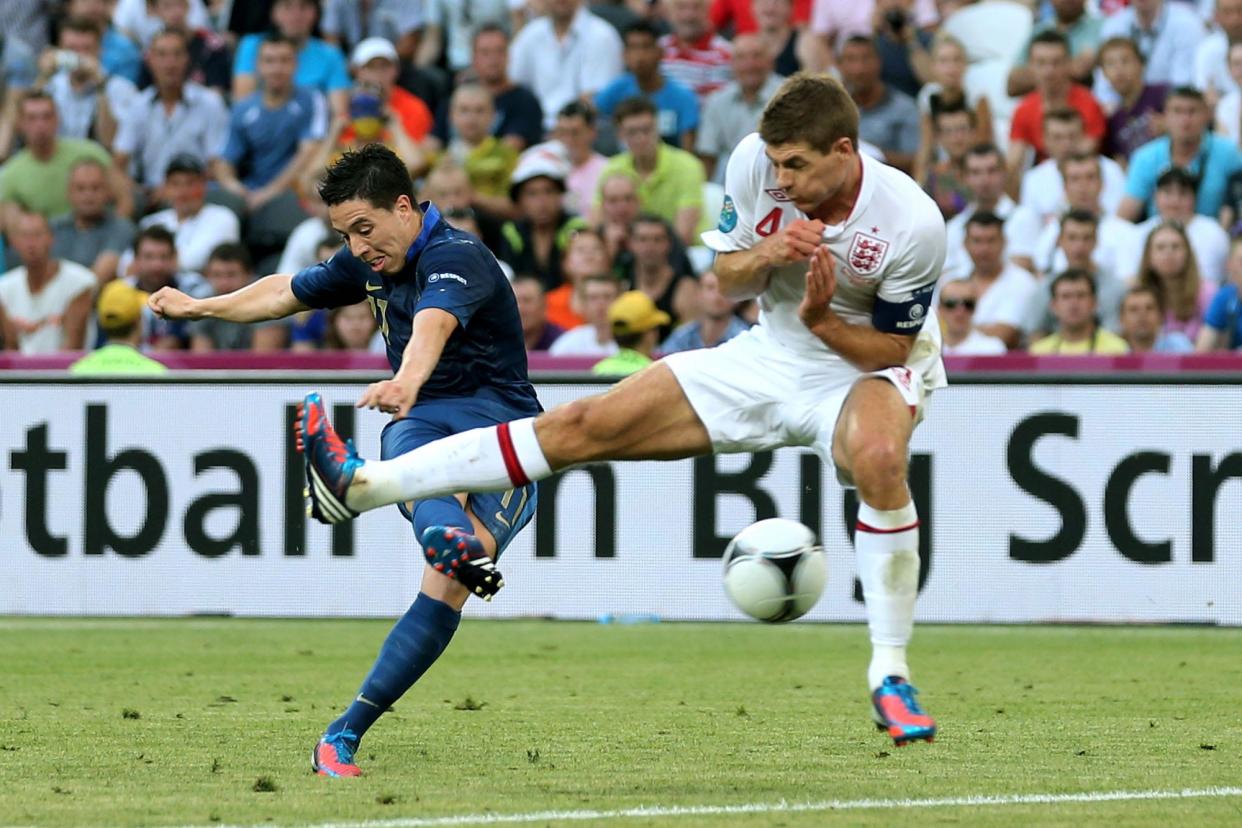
x,y
431,217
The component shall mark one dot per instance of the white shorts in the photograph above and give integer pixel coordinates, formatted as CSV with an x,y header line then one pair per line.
x,y
754,394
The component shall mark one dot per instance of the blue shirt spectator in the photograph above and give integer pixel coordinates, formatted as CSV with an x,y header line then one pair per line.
x,y
120,56
320,65
677,107
263,141
1218,158
1224,317
689,337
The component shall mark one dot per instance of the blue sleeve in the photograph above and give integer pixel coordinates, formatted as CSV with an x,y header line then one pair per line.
x,y
330,284
457,280
247,55
235,145
338,71
905,316
1217,315
689,112
606,99
1140,181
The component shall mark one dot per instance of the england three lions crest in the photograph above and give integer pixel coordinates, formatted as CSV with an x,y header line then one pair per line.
x,y
865,256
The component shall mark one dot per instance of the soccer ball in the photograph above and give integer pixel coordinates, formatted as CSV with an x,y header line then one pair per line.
x,y
774,571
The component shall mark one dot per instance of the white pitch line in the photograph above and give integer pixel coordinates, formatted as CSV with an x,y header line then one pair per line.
x,y
647,812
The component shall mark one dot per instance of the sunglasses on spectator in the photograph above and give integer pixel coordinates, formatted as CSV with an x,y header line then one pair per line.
x,y
952,304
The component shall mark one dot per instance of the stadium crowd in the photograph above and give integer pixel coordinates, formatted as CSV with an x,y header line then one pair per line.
x,y
1085,155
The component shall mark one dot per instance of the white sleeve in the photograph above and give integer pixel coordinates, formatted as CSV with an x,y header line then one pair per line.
x,y
735,229
1203,64
917,271
606,63
1013,310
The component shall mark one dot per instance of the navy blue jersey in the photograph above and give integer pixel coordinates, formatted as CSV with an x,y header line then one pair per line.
x,y
448,269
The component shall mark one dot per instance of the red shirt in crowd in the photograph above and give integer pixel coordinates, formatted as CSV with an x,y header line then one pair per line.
x,y
702,66
1028,118
414,115
738,12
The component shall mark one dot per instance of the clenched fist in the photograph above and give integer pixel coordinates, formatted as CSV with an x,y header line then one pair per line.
x,y
171,303
795,242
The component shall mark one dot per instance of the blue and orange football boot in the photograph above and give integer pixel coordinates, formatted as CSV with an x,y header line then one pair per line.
x,y
333,755
330,462
898,712
460,556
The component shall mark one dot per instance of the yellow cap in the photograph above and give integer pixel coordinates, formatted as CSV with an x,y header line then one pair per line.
x,y
633,312
120,304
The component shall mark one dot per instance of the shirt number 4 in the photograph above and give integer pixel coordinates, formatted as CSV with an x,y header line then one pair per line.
x,y
768,224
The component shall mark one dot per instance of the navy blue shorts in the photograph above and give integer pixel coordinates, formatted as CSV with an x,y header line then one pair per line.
x,y
503,513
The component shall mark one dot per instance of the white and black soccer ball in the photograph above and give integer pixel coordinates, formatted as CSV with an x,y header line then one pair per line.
x,y
774,571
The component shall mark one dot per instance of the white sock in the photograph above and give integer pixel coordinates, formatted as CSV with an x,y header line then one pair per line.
x,y
886,547
480,460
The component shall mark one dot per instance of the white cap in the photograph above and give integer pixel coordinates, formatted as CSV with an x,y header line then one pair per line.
x,y
372,48
541,160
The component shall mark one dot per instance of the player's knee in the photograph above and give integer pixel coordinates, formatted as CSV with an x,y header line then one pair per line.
x,y
878,463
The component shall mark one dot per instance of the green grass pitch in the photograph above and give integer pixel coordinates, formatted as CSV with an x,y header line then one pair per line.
x,y
211,721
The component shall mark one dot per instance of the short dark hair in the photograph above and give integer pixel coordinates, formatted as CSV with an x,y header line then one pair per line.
x,y
177,33
1120,43
652,218
333,241
1188,92
156,233
35,94
1050,37
1065,114
372,173
633,106
578,109
955,108
1079,216
490,27
82,25
642,27
1136,290
631,340
861,40
528,279
985,218
1084,158
276,36
232,252
813,108
1179,178
983,149
1074,274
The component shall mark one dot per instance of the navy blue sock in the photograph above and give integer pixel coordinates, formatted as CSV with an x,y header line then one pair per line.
x,y
440,511
417,640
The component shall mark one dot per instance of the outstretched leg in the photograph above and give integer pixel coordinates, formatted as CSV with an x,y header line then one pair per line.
x,y
870,444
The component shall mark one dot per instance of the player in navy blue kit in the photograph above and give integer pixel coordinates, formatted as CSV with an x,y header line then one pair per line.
x,y
450,321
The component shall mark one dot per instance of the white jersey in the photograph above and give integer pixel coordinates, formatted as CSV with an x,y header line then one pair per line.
x,y
889,253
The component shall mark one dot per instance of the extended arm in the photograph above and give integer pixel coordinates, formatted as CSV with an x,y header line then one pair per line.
x,y
268,298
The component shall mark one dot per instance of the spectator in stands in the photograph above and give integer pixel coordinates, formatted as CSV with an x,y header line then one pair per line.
x,y
535,242
670,180
136,19
211,60
1168,35
1119,243
350,328
1213,76
636,323
89,102
487,160
45,303
376,67
308,330
957,313
120,55
90,234
171,117
568,55
532,305
694,56
1002,290
1188,145
1169,267
905,59
584,259
347,22
452,27
1142,320
228,269
368,122
618,207
674,293
887,117
1228,110
1138,114
732,112
301,251
1054,90
321,65
155,266
946,91
17,74
782,38
1077,242
198,227
1078,330
743,17
1081,29
677,108
1043,186
1222,324
945,180
448,187
593,338
575,130
716,321
519,118
984,172
119,310
273,134
36,178
1175,202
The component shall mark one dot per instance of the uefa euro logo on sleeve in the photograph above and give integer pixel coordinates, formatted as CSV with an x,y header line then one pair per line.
x,y
728,215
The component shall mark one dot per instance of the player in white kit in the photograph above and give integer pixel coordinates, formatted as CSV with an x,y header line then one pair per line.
x,y
844,253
